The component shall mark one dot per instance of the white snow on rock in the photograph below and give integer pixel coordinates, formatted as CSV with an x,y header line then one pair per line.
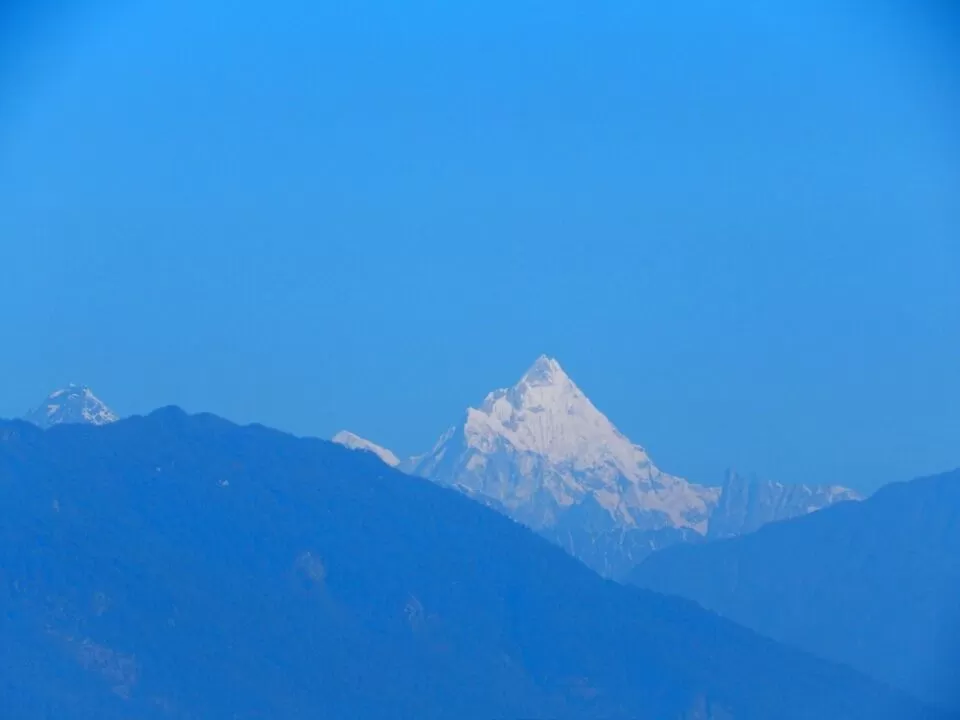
x,y
355,442
540,449
72,404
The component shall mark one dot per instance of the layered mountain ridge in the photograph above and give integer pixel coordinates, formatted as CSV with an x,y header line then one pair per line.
x,y
543,454
175,567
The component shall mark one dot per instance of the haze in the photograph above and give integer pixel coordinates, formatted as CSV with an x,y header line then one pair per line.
x,y
736,230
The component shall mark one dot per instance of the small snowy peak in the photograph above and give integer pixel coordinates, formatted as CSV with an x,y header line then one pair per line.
x,y
355,442
72,404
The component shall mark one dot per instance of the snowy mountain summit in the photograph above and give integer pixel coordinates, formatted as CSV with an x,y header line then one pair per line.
x,y
541,452
355,442
72,404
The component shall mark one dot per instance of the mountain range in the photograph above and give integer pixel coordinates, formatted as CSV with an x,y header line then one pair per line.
x,y
543,454
175,567
874,585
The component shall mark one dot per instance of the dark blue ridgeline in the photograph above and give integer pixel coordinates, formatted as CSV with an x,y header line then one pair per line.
x,y
176,566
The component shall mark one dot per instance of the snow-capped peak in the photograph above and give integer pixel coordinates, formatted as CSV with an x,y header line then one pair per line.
x,y
355,442
72,404
545,371
547,414
541,448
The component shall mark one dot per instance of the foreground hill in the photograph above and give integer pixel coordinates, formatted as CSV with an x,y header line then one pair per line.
x,y
176,566
874,584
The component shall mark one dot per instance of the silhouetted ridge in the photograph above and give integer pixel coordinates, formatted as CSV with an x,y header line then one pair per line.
x,y
178,566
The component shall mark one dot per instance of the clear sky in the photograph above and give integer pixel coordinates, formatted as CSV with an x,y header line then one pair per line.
x,y
737,228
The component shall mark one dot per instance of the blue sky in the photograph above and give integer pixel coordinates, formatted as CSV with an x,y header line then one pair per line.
x,y
737,229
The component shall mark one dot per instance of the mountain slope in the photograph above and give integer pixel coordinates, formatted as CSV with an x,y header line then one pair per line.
x,y
871,584
72,404
176,566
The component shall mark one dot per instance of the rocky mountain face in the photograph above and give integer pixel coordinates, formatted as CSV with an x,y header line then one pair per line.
x,y
72,404
544,455
873,584
175,567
